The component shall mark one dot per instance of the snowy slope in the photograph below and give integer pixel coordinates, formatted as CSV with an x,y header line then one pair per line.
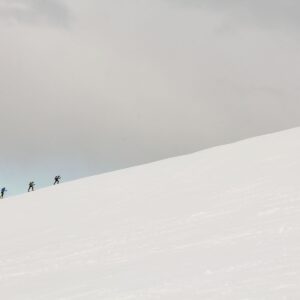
x,y
218,224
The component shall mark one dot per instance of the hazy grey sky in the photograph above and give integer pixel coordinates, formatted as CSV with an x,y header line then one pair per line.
x,y
97,85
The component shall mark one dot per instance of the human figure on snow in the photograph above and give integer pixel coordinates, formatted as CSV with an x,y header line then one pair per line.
x,y
3,190
57,179
31,186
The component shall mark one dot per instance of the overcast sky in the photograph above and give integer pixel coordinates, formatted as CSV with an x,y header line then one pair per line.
x,y
97,85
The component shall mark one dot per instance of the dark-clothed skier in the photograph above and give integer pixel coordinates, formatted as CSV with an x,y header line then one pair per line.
x,y
56,179
31,186
3,190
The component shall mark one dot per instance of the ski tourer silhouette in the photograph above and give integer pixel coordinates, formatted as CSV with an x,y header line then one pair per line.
x,y
56,179
31,186
3,190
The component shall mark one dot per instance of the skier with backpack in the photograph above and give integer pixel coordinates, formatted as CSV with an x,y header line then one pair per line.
x,y
3,190
31,186
56,179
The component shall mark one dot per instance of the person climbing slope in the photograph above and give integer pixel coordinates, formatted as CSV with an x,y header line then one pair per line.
x,y
56,179
3,190
31,186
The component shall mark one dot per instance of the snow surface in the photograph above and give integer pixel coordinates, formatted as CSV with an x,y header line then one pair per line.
x,y
218,224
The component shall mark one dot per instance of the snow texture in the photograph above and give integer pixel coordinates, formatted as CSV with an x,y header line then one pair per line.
x,y
219,224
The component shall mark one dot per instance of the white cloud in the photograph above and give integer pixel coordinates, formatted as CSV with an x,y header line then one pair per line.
x,y
281,14
34,11
132,82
